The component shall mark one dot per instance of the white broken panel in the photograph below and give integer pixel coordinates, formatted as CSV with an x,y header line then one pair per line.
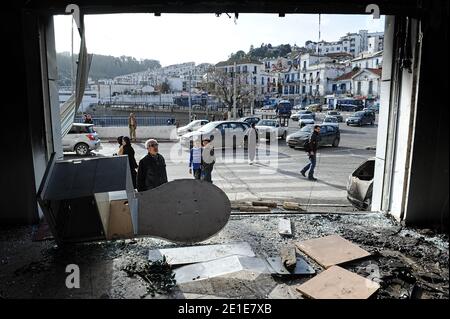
x,y
284,227
196,254
219,267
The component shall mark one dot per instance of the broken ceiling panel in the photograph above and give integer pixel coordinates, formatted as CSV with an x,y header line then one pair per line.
x,y
219,267
338,283
196,254
331,250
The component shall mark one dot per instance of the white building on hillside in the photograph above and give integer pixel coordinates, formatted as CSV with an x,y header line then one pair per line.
x,y
368,61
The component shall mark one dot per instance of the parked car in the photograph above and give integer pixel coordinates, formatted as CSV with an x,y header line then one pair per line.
x,y
331,120
360,185
224,134
295,117
336,114
81,139
314,107
305,119
250,119
329,135
194,125
268,128
361,118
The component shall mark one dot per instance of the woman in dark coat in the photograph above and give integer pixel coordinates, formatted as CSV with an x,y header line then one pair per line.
x,y
127,149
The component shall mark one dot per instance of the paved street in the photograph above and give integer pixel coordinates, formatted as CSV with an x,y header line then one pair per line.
x,y
276,174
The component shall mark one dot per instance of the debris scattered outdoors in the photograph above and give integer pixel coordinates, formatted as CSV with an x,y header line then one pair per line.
x,y
301,267
284,227
157,275
220,267
338,283
288,257
195,254
331,250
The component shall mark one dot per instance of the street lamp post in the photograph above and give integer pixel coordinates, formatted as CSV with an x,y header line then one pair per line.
x,y
190,98
234,91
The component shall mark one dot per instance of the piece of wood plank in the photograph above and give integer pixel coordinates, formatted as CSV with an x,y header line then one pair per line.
x,y
255,209
331,250
288,257
291,206
338,283
265,203
284,227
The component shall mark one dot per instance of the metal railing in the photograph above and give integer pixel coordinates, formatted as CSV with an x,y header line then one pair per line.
x,y
122,121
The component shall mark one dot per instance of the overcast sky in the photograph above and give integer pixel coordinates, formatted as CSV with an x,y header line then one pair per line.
x,y
176,38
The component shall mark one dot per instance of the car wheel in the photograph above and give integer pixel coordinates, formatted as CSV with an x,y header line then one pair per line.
x,y
81,149
335,142
291,146
284,136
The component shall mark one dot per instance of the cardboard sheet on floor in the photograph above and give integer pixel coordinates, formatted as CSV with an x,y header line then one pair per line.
x,y
219,267
331,250
196,254
301,267
338,283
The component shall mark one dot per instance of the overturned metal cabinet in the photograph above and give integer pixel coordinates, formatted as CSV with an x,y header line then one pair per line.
x,y
72,196
94,199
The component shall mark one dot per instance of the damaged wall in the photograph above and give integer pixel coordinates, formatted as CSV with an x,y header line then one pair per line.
x,y
427,201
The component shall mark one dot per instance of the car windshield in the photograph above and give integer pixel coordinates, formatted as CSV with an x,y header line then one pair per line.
x,y
333,113
193,123
359,114
330,119
267,123
306,117
208,127
307,128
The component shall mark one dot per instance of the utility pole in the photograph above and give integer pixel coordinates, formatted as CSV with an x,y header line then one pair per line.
x,y
252,102
234,91
190,98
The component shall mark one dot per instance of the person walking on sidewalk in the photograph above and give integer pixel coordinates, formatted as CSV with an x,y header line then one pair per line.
x,y
132,125
311,148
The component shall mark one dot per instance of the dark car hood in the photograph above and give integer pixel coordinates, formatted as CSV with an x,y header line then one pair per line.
x,y
301,135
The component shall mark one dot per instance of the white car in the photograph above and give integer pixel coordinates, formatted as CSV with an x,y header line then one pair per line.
x,y
81,139
331,120
305,119
224,134
194,125
268,128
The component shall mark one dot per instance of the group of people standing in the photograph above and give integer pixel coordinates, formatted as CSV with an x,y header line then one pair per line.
x,y
151,171
202,159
